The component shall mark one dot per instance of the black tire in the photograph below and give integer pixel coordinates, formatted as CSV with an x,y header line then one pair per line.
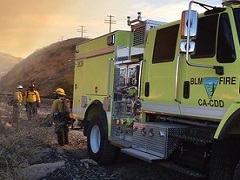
x,y
225,158
99,148
236,175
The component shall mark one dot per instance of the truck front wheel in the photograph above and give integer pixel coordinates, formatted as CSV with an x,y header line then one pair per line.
x,y
99,148
236,175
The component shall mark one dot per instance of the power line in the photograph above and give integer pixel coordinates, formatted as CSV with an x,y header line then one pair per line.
x,y
81,30
110,21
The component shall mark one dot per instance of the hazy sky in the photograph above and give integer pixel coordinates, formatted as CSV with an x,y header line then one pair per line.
x,y
28,25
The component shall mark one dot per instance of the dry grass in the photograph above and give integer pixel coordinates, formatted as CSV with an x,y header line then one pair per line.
x,y
21,141
18,144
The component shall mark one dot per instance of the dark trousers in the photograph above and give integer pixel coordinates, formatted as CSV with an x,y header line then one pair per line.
x,y
62,136
31,109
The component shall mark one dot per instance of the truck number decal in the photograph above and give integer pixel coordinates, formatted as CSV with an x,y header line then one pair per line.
x,y
211,103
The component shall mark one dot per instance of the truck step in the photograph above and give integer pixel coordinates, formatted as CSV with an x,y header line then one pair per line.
x,y
121,143
170,165
140,154
195,139
184,170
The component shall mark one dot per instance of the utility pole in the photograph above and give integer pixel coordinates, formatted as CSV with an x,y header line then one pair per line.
x,y
110,21
81,30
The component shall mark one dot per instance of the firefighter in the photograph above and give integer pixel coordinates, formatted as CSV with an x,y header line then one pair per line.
x,y
60,111
32,102
17,100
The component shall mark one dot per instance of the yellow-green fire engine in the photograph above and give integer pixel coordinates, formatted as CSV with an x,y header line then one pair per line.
x,y
165,92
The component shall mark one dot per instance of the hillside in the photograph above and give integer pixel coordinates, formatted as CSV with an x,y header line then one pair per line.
x,y
48,68
7,62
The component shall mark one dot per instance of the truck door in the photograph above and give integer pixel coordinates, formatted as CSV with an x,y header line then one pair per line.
x,y
208,82
159,70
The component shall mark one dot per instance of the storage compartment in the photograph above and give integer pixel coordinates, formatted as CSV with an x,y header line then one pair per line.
x,y
157,138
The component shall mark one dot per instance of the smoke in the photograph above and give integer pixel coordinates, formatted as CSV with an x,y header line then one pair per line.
x,y
26,23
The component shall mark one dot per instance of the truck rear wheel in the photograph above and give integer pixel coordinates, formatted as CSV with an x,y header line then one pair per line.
x,y
99,148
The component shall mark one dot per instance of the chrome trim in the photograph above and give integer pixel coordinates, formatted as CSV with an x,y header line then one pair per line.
x,y
176,80
204,112
186,110
161,108
140,77
109,75
188,38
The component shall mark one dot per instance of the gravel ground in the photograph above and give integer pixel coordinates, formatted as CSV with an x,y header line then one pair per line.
x,y
78,166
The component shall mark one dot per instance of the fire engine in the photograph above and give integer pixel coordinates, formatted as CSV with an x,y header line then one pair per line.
x,y
166,92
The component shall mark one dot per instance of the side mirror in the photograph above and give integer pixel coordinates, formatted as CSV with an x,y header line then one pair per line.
x,y
183,47
187,16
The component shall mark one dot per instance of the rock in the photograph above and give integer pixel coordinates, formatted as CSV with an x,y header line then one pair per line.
x,y
60,150
23,165
8,124
37,171
89,161
45,151
42,153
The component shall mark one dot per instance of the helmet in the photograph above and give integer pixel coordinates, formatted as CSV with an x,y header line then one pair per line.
x,y
60,91
32,86
19,87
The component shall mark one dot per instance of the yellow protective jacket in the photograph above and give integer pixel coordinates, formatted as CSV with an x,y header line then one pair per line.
x,y
18,97
32,96
57,105
56,110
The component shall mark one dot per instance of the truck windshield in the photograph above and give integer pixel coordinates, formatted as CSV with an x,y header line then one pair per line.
x,y
225,45
217,39
237,20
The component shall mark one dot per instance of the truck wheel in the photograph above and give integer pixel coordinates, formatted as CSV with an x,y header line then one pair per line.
x,y
236,175
225,159
99,148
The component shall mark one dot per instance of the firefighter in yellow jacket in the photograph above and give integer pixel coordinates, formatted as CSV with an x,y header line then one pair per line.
x,y
17,100
60,111
32,101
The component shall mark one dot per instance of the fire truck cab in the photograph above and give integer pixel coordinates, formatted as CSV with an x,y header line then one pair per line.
x,y
165,91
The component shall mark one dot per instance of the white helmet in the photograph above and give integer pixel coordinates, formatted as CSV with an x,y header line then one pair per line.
x,y
19,87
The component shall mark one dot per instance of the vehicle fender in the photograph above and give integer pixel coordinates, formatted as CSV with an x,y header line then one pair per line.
x,y
230,121
96,107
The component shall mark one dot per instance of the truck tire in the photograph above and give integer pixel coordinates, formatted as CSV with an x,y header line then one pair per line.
x,y
236,175
99,148
225,158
